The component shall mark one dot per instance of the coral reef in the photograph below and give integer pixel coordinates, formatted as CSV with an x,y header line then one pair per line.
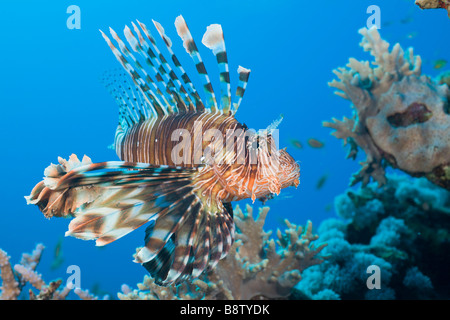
x,y
256,267
14,279
444,77
434,4
403,228
400,117
10,287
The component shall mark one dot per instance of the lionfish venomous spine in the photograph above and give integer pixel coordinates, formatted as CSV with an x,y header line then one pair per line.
x,y
182,190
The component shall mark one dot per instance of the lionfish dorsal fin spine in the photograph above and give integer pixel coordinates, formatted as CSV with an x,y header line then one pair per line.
x,y
166,75
137,79
143,78
161,88
242,85
190,94
191,48
126,95
152,62
184,76
214,40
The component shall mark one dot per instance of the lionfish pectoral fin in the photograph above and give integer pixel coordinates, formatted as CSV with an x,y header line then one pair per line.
x,y
111,199
186,240
107,199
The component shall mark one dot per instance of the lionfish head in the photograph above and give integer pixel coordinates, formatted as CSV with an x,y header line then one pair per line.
x,y
288,170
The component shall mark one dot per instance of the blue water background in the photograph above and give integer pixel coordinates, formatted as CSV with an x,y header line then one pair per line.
x,y
53,104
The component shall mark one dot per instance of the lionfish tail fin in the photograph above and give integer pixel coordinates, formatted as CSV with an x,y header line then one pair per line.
x,y
108,200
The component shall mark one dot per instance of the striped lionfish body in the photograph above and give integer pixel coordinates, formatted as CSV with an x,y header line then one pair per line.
x,y
183,159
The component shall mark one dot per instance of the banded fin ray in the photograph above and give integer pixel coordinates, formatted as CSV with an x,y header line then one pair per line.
x,y
176,88
184,76
130,65
163,71
131,102
213,39
153,63
191,48
159,83
167,262
140,73
242,85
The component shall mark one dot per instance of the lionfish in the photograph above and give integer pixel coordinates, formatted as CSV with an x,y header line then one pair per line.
x,y
187,202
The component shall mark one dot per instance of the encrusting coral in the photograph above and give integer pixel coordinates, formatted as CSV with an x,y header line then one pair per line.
x,y
256,267
434,4
403,228
15,278
400,117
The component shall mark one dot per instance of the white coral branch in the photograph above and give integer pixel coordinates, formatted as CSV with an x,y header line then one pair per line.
x,y
10,287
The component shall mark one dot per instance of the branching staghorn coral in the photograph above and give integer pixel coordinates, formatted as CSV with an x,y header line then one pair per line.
x,y
15,278
10,287
401,118
256,267
434,4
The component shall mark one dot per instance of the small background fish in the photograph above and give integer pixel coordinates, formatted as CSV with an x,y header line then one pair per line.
x,y
314,143
439,64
